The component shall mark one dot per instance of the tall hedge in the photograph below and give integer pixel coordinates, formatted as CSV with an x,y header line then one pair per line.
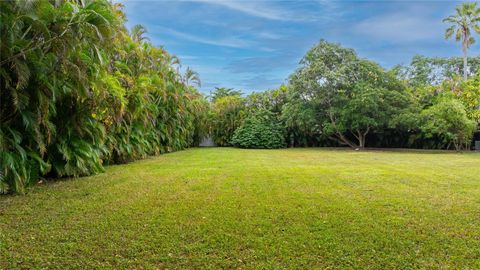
x,y
79,90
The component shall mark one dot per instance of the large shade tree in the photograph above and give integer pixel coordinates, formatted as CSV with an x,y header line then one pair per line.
x,y
347,96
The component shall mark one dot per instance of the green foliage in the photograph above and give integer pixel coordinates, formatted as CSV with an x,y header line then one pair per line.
x,y
432,71
221,92
202,111
261,130
370,108
300,119
270,100
448,120
430,97
465,20
469,95
347,96
79,90
336,95
227,116
191,76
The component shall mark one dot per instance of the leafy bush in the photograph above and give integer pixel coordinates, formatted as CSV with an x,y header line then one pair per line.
x,y
260,130
448,120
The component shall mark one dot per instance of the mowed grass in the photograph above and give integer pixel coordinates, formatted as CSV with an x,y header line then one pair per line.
x,y
230,208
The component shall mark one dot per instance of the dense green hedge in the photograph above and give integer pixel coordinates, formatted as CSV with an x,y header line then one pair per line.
x,y
260,130
78,90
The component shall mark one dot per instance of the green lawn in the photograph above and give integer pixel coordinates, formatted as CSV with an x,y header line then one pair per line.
x,y
230,208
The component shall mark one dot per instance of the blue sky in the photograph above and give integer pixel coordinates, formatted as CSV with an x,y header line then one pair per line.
x,y
256,45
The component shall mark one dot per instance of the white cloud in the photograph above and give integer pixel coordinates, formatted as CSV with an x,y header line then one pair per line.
x,y
269,35
400,27
233,42
258,8
253,8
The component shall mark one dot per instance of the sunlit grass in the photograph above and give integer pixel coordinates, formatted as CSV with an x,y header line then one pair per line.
x,y
231,208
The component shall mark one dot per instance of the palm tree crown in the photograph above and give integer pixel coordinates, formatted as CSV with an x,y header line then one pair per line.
x,y
466,18
192,76
138,33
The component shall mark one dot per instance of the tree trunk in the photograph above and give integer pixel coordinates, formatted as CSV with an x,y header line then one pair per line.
x,y
361,141
465,48
342,139
361,136
457,145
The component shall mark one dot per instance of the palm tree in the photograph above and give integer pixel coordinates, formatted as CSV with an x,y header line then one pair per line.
x,y
221,92
466,18
138,33
192,76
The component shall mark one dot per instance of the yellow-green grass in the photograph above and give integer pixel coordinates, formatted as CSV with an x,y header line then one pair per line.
x,y
231,208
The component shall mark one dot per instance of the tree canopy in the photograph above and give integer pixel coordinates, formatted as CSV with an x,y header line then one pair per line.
x,y
348,96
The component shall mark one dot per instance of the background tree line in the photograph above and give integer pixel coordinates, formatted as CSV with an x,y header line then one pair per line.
x,y
336,98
